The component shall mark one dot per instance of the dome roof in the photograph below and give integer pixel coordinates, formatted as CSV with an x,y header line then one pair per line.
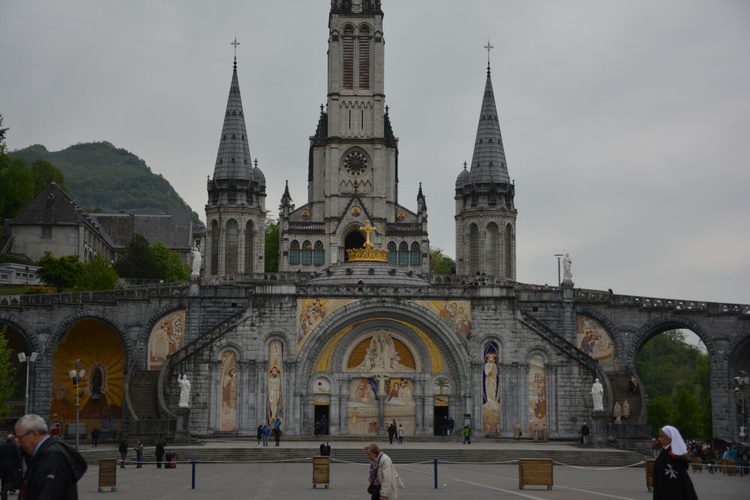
x,y
463,178
367,274
258,176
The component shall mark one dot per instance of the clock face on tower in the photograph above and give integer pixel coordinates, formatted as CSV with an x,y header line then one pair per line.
x,y
355,163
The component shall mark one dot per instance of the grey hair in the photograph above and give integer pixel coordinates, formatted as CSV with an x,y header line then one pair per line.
x,y
33,422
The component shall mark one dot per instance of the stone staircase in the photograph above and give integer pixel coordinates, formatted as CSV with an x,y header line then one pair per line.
x,y
143,394
621,393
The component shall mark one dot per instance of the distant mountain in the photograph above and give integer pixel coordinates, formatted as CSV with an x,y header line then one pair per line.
x,y
103,178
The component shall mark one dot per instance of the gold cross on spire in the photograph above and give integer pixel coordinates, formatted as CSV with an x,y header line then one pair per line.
x,y
367,229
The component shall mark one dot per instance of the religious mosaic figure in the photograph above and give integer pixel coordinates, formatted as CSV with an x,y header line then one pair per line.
x,y
228,378
490,400
537,395
275,397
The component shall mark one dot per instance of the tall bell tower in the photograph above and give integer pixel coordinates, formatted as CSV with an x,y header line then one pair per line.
x,y
353,160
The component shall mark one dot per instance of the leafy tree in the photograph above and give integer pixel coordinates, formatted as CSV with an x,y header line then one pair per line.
x,y
16,186
687,415
659,412
2,134
441,263
272,247
674,371
43,173
138,261
171,267
6,367
61,273
97,275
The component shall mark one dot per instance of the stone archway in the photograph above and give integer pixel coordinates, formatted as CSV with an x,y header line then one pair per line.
x,y
338,346
355,239
93,346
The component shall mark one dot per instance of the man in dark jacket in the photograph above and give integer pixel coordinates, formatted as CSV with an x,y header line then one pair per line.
x,y
54,468
10,466
159,452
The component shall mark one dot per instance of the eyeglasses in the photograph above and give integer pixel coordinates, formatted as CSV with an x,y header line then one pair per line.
x,y
24,435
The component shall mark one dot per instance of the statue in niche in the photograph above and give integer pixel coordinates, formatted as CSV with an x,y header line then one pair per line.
x,y
184,391
597,393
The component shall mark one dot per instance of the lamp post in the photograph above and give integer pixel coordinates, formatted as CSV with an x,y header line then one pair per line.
x,y
76,376
28,360
741,384
559,280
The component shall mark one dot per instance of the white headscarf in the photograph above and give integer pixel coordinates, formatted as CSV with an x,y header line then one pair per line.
x,y
678,444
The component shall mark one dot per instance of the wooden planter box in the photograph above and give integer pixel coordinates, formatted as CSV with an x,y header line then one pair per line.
x,y
108,474
321,471
534,471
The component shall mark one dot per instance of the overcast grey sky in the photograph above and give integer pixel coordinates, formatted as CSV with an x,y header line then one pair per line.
x,y
626,124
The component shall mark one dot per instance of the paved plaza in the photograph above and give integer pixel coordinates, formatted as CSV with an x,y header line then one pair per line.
x,y
283,480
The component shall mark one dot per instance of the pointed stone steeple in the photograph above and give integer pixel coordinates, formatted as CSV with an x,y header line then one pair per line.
x,y
488,161
485,208
236,208
233,160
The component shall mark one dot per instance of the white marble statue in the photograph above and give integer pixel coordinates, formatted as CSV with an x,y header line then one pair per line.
x,y
196,262
597,393
184,391
567,273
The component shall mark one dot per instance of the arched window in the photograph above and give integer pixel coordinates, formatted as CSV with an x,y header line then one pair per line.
x,y
392,253
508,257
348,58
416,255
214,248
320,257
364,58
403,254
231,247
294,253
249,250
473,249
492,249
306,253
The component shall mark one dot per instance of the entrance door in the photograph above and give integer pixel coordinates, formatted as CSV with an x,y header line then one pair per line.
x,y
441,418
322,417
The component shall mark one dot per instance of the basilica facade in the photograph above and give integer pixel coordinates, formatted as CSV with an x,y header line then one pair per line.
x,y
353,331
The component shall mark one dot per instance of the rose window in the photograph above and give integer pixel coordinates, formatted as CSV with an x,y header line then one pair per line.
x,y
355,163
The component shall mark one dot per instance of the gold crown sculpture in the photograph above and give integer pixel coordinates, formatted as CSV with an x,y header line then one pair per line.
x,y
367,253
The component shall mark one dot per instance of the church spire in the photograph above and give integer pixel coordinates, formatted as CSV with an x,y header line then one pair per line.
x,y
488,161
233,160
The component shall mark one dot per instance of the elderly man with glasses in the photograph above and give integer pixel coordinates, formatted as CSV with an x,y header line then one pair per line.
x,y
54,468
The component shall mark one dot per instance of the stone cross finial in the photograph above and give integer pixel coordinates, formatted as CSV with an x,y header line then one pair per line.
x,y
489,47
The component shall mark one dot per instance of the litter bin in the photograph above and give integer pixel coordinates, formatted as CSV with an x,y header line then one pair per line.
x,y
321,471
650,475
108,474
534,471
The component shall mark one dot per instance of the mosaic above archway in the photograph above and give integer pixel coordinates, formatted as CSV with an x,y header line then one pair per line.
x,y
312,313
167,336
593,339
454,313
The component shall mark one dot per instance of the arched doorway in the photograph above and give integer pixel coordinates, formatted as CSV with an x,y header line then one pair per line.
x,y
355,239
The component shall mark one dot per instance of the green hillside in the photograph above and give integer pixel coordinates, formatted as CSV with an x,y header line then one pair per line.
x,y
104,178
